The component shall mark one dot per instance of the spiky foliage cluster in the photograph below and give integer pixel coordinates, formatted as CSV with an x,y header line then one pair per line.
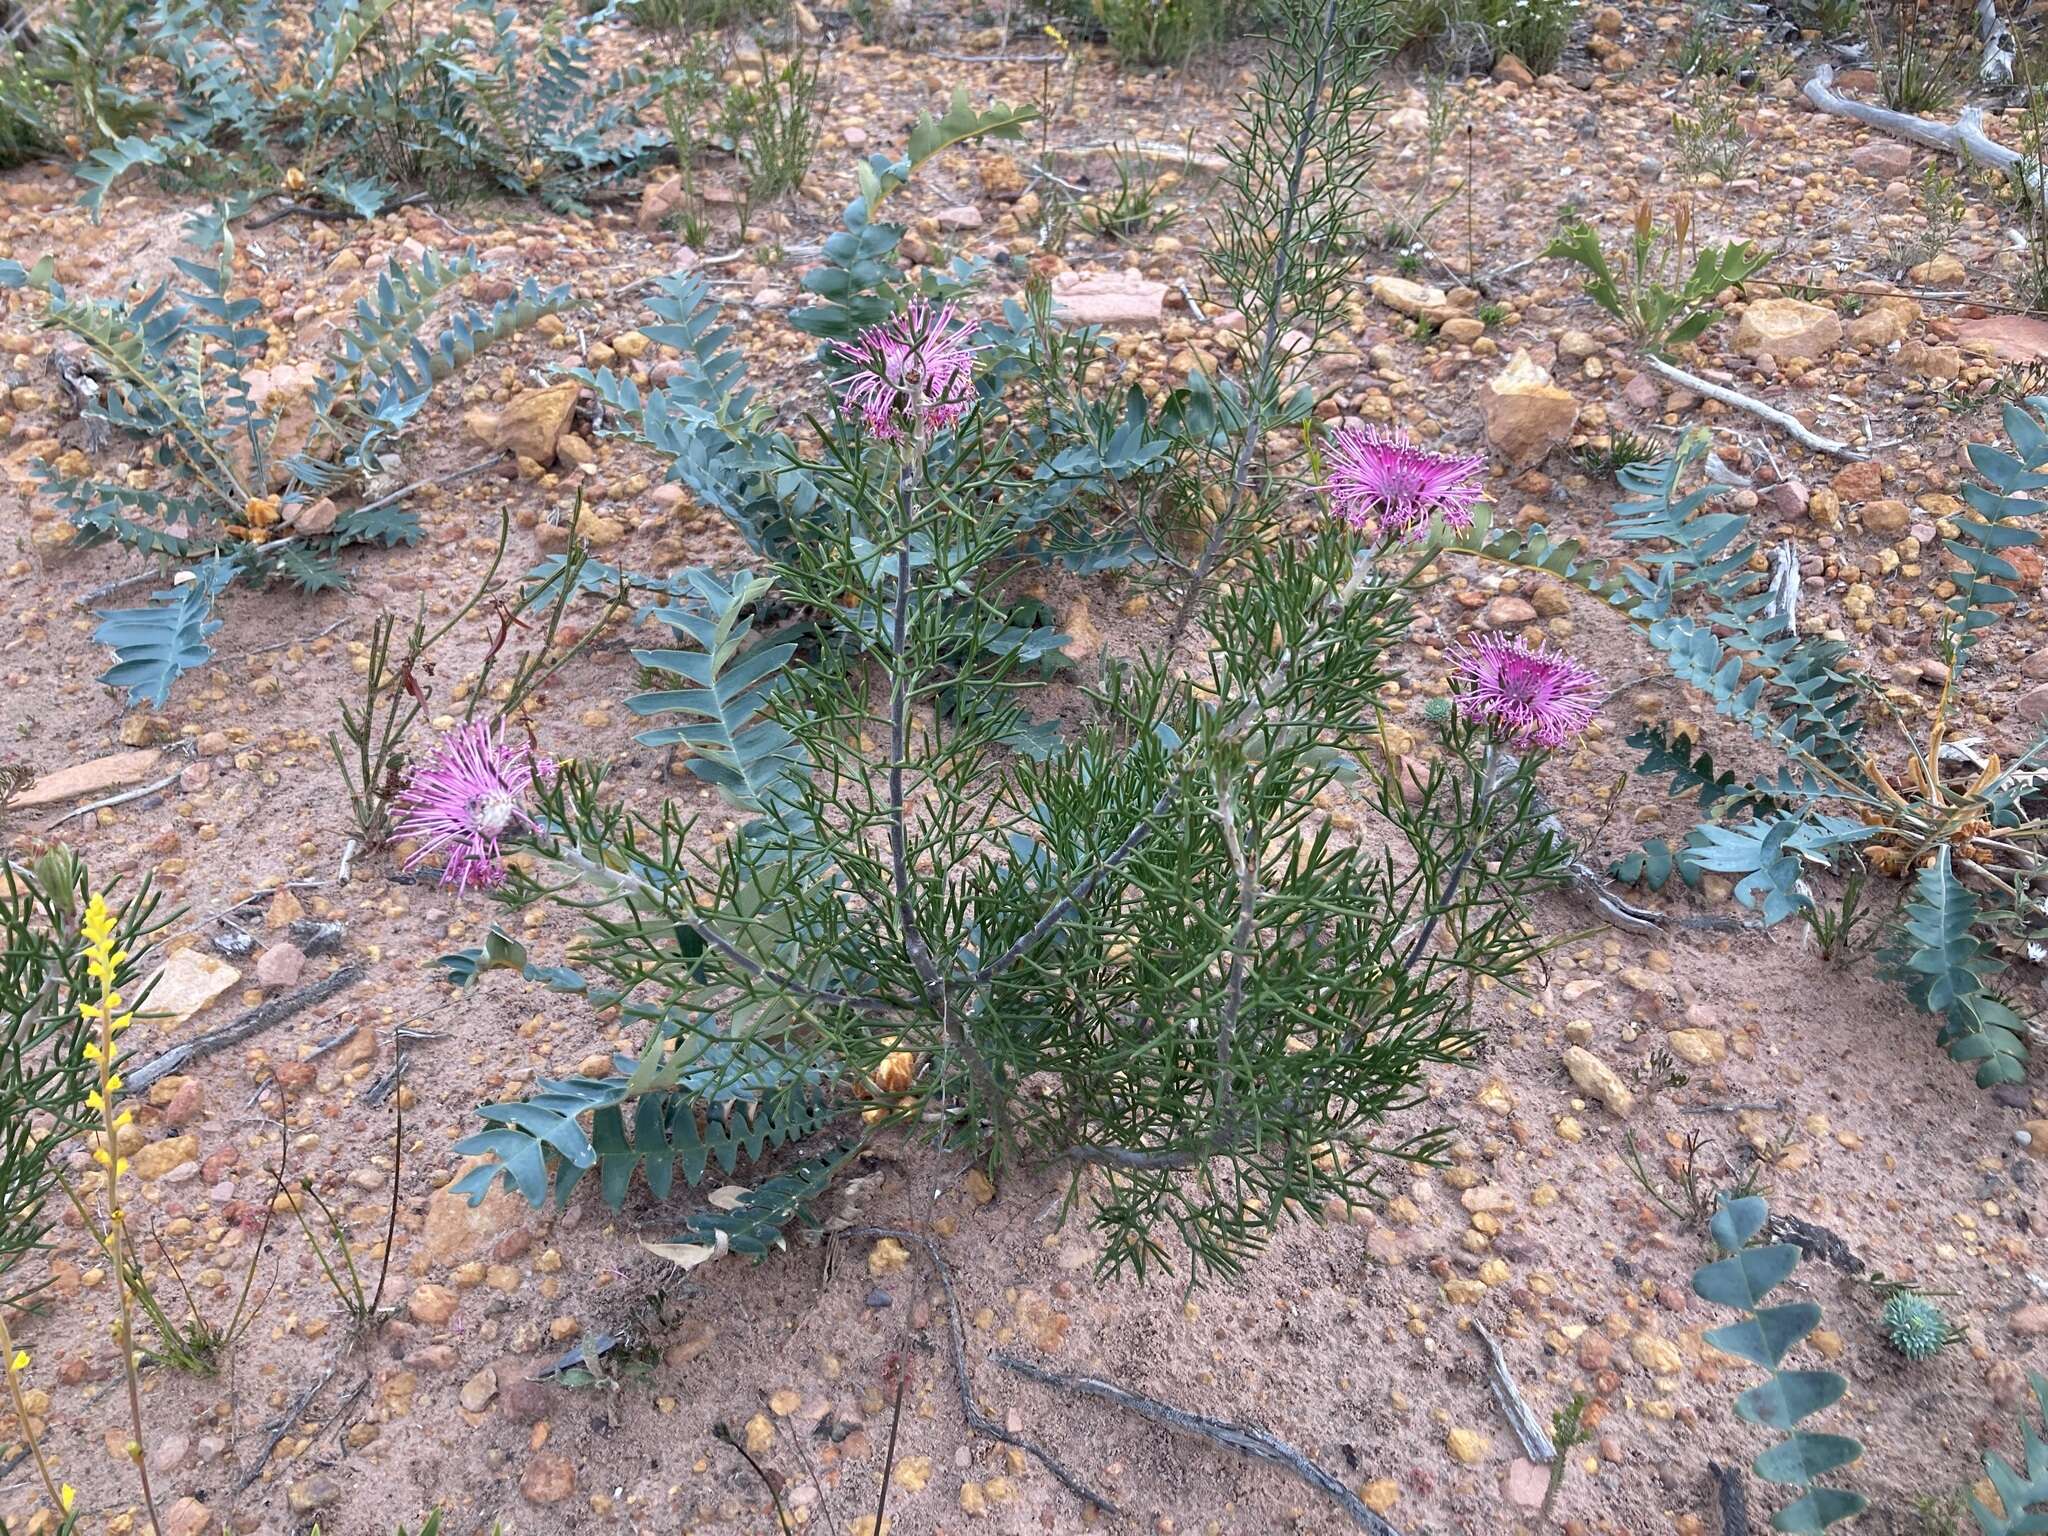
x,y
231,491
1964,827
1915,1327
1656,299
370,100
45,1076
1115,938
1766,1334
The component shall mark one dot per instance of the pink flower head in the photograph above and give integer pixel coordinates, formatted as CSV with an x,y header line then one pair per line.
x,y
465,797
1531,697
1383,484
916,370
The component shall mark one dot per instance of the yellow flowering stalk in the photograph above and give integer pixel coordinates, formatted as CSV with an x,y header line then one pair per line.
x,y
103,965
63,1495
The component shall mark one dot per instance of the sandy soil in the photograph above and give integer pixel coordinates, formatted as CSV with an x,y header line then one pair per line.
x,y
1354,1339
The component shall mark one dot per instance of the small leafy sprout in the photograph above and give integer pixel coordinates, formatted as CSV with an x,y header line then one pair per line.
x,y
1491,315
1915,1326
1568,1430
1408,264
1660,1073
1134,206
1837,929
1660,303
1622,449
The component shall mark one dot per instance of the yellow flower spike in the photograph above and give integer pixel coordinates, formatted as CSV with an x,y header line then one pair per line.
x,y
99,1155
67,1496
92,1050
19,1362
93,1099
114,1082
121,1167
126,1117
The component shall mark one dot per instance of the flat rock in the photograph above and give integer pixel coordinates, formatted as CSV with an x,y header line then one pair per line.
x,y
1407,297
189,1517
1787,328
531,425
456,1230
1527,416
2012,338
1525,1483
1600,1080
280,965
190,980
1883,159
1107,298
548,1479
101,774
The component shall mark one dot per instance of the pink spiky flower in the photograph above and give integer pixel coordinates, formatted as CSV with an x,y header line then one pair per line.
x,y
464,798
1381,483
1531,697
917,370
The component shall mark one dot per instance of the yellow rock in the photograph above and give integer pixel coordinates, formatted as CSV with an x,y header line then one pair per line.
x,y
760,1435
1658,1356
1381,1494
887,1256
1467,1447
160,1157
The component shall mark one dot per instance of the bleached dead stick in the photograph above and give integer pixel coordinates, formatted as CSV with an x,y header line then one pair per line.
x,y
1788,424
1965,138
1528,1429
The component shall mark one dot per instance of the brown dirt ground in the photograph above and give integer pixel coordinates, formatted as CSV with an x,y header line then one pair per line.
x,y
1352,1340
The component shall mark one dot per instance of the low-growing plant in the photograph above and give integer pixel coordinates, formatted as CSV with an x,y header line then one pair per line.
x,y
1136,205
1656,299
1962,829
1915,1327
1156,32
1534,31
1711,140
773,121
1621,449
1404,224
1740,1280
236,493
1568,1431
1125,949
1913,74
1839,930
47,1081
1941,210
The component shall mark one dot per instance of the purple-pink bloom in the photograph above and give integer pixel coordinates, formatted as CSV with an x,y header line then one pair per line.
x,y
1381,483
464,798
916,370
1530,696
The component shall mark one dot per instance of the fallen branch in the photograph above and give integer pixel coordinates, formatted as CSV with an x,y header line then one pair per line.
x,y
1734,1499
254,1022
282,1427
121,799
2000,48
1241,1438
978,1421
1795,428
1521,1419
1965,138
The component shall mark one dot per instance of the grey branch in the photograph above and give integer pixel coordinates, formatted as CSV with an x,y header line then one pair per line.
x,y
978,1421
1788,424
1965,138
1242,1438
254,1022
1527,1427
